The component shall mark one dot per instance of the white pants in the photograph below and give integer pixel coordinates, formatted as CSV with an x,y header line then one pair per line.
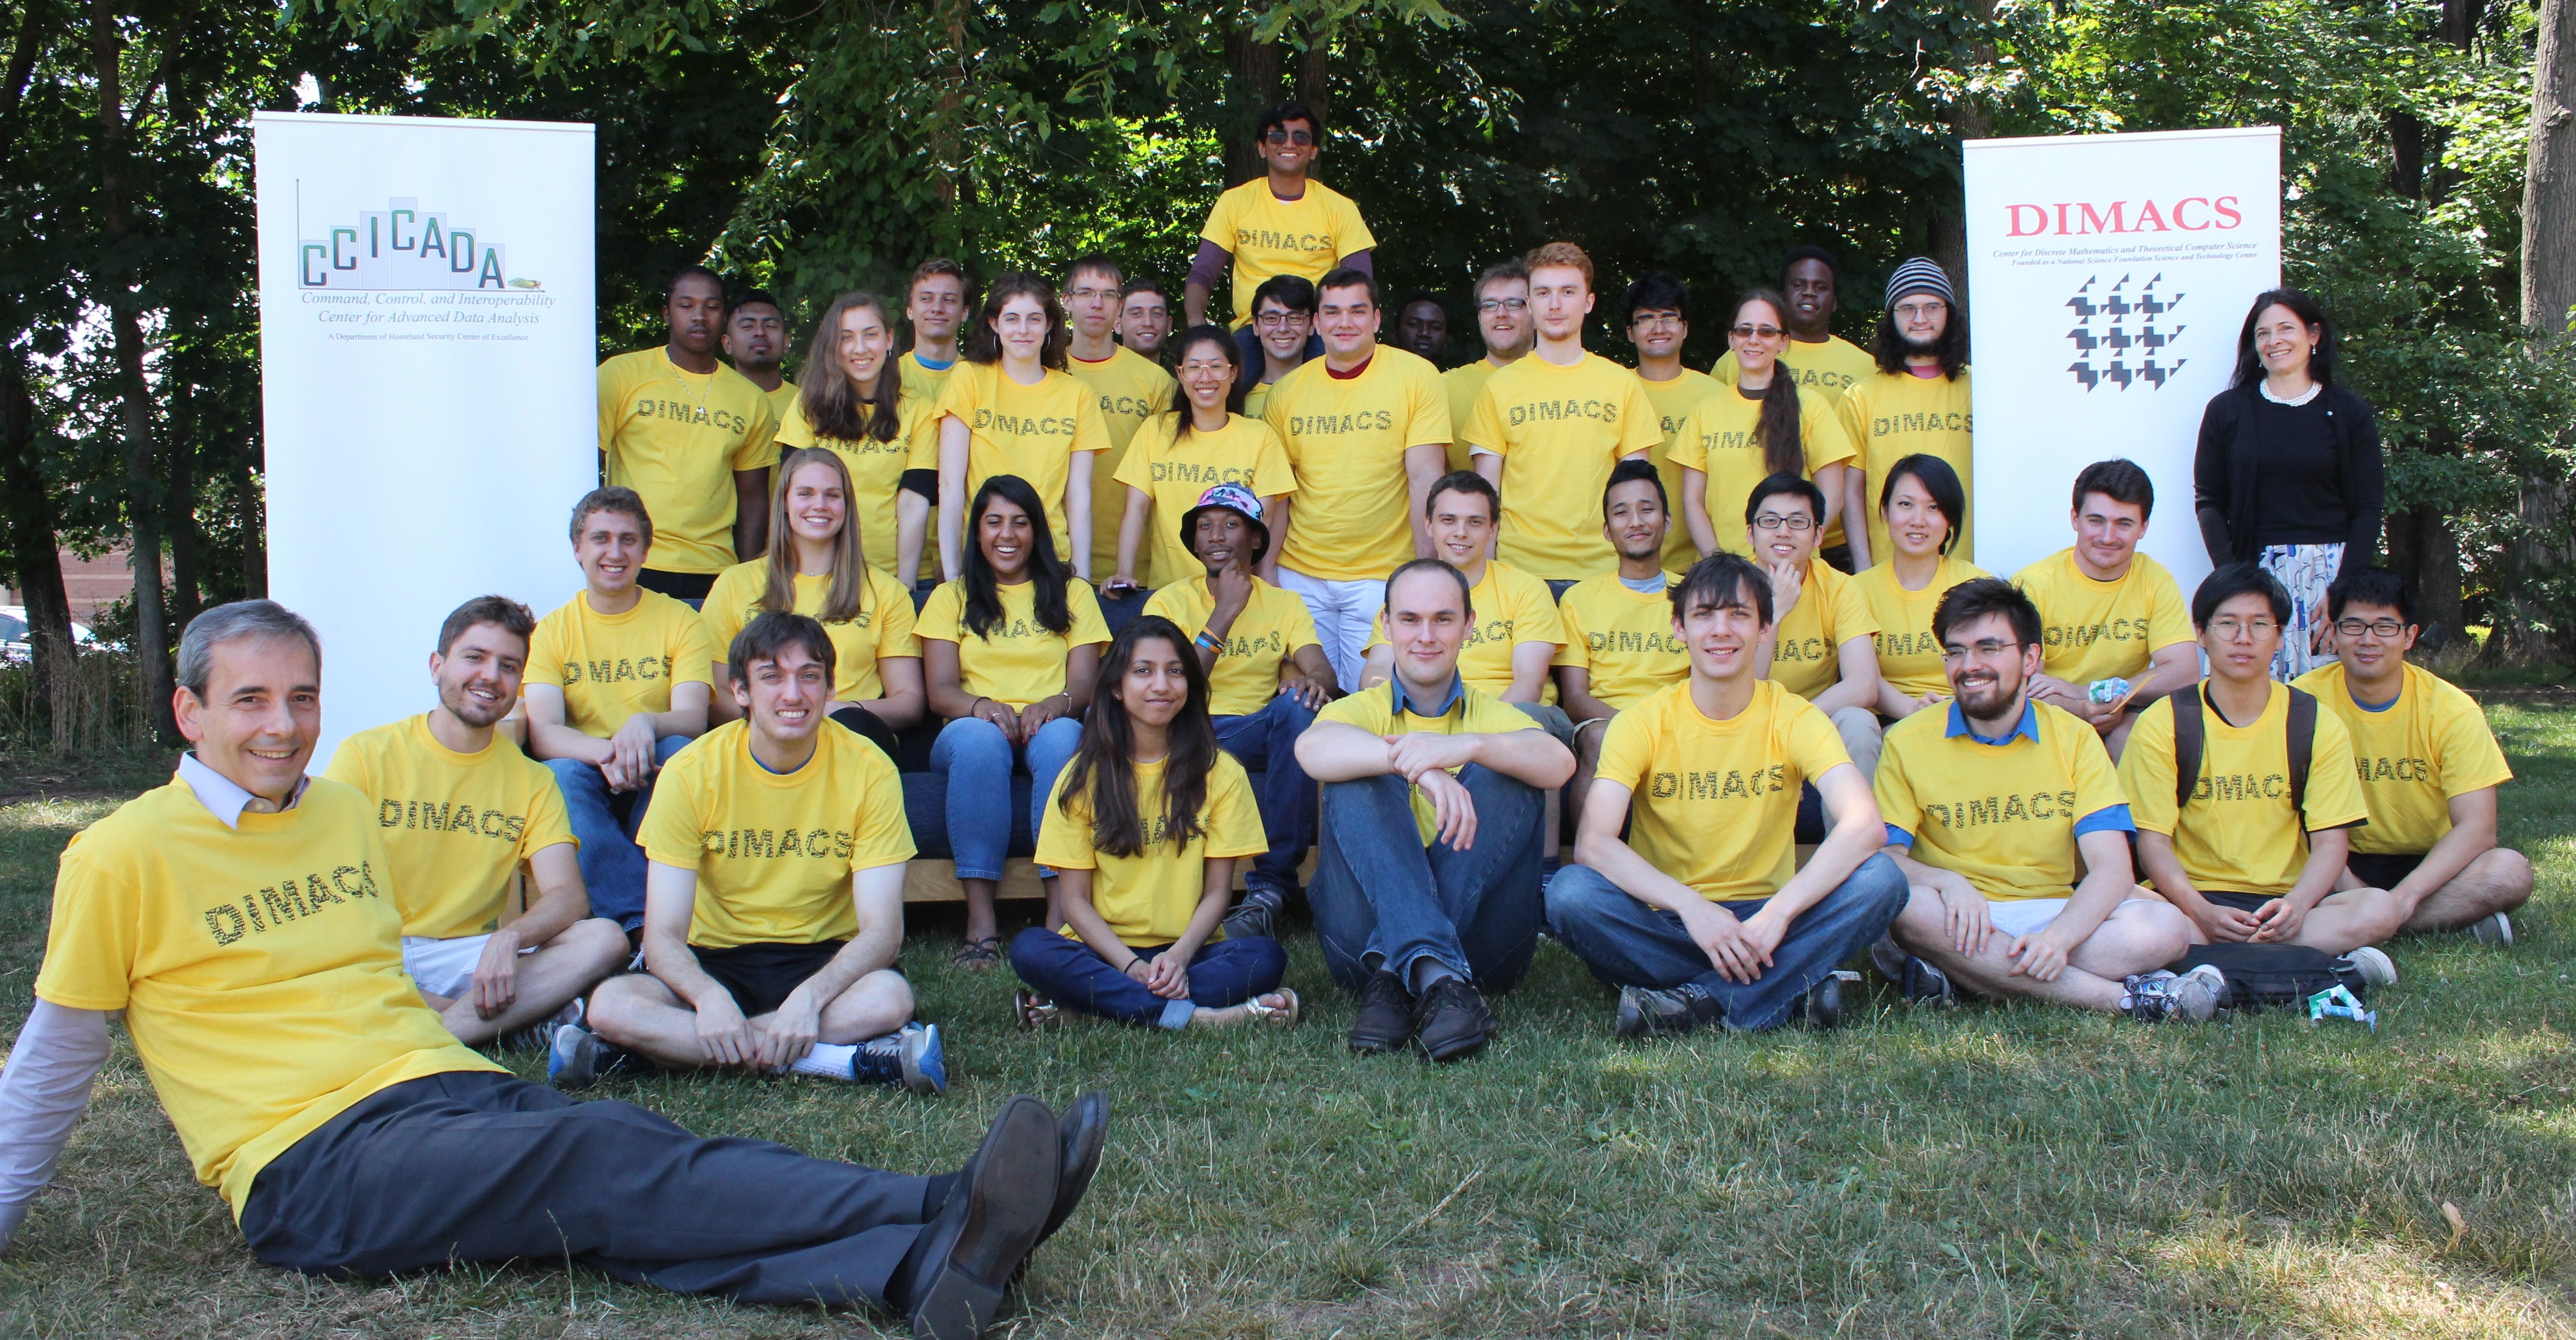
x,y
1345,613
445,968
2030,916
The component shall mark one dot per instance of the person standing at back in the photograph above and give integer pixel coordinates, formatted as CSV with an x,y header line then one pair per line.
x,y
692,438
2288,475
1764,424
1503,323
1548,429
755,340
1659,324
1132,388
1012,409
935,306
1826,363
1144,317
1917,401
1280,223
1282,338
856,406
1422,326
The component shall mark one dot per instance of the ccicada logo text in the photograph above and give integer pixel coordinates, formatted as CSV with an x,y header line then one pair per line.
x,y
403,246
2186,214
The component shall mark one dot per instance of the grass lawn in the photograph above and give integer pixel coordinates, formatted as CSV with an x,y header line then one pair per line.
x,y
1986,1172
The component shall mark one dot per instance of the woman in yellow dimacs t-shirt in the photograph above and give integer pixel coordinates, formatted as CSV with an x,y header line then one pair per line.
x,y
1011,409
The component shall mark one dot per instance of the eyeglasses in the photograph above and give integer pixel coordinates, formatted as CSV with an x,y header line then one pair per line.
x,y
1795,521
1215,365
1984,649
1091,292
2229,627
2382,627
1918,311
1756,332
1289,137
1503,305
1656,320
1277,320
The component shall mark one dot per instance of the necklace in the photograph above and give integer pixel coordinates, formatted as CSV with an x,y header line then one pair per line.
x,y
2314,389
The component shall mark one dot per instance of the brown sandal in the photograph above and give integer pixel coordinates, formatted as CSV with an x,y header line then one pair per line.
x,y
1035,1011
979,955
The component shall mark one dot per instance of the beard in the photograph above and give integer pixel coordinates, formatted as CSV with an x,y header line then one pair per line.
x,y
1989,699
475,715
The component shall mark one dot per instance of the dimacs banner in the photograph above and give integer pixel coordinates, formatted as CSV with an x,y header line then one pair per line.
x,y
427,356
2108,276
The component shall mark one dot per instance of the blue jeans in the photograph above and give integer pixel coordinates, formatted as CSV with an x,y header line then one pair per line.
x,y
1065,970
1266,742
1628,943
1120,611
1382,899
976,758
605,821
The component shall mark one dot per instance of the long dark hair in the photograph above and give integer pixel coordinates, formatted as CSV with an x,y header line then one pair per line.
x,y
983,344
831,401
1775,429
983,590
1103,768
1887,343
2249,364
1204,333
1937,479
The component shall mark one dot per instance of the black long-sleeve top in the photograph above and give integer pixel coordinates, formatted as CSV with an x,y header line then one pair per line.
x,y
2268,473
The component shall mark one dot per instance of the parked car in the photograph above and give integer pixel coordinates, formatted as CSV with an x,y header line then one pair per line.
x,y
14,648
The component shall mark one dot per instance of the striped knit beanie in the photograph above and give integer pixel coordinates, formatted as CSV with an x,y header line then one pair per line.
x,y
1919,274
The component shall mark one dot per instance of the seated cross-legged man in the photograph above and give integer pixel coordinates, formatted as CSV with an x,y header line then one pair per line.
x,y
461,813
1267,678
2005,814
1426,893
1619,641
774,907
616,684
2428,765
1700,915
352,1135
2251,842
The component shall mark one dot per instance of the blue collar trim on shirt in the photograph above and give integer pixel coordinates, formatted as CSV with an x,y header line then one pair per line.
x,y
932,365
2374,707
1403,700
2027,727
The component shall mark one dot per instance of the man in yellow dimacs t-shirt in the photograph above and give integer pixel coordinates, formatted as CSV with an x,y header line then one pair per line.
x,y
1280,223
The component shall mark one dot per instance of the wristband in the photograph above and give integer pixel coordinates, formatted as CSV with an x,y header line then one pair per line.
x,y
1208,644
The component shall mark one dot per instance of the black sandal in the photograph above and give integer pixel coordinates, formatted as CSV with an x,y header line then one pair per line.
x,y
979,955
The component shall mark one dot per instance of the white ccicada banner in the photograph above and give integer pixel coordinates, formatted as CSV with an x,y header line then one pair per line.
x,y
2108,276
427,363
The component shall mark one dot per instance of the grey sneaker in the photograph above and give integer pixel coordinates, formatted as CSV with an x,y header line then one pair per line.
x,y
2374,964
573,1058
1671,1009
1256,917
540,1035
912,1058
2495,928
2157,996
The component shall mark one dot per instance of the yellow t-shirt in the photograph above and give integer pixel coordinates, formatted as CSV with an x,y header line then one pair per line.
x,y
1718,442
781,399
612,666
1029,431
1375,710
1889,418
1510,607
455,826
1623,639
2005,816
1018,660
1560,430
876,470
260,970
2093,630
1346,438
2239,834
2412,756
1715,803
881,630
1829,368
1806,656
774,852
1132,389
927,383
1909,657
1673,401
676,438
1148,898
1269,236
1267,634
1174,473
1465,385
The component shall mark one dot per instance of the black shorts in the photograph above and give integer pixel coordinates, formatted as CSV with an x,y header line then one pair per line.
x,y
2242,902
759,977
2382,870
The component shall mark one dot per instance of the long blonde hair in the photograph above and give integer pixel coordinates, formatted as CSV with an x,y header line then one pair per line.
x,y
845,599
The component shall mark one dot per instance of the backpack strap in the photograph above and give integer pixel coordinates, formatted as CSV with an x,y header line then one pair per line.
x,y
2303,747
2189,732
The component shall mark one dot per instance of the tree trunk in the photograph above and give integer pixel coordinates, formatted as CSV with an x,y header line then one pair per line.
x,y
1946,228
254,533
1314,73
143,483
2548,291
34,541
1256,70
178,515
2438,595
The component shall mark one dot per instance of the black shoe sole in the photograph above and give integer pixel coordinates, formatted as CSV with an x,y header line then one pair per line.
x,y
964,1294
1082,1134
1458,1050
1377,1046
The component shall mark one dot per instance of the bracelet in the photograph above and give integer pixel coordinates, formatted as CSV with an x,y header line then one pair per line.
x,y
1209,644
1130,969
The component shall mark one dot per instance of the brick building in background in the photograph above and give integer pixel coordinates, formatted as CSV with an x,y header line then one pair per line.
x,y
89,583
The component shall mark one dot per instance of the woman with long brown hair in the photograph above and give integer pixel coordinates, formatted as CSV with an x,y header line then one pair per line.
x,y
814,568
852,403
1145,825
1765,424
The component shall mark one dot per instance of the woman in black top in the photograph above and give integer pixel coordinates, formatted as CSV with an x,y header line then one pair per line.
x,y
2289,474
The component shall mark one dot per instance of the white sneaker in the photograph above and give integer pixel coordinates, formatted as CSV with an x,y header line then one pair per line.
x,y
2495,928
2374,965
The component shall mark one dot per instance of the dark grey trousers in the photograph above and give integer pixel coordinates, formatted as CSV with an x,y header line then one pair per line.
x,y
477,1166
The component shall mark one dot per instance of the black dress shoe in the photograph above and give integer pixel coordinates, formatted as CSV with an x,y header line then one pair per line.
x,y
1455,1021
1822,1006
1080,1133
1385,1019
952,1280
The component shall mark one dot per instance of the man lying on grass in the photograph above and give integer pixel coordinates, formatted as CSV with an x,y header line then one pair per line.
x,y
1993,805
240,918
